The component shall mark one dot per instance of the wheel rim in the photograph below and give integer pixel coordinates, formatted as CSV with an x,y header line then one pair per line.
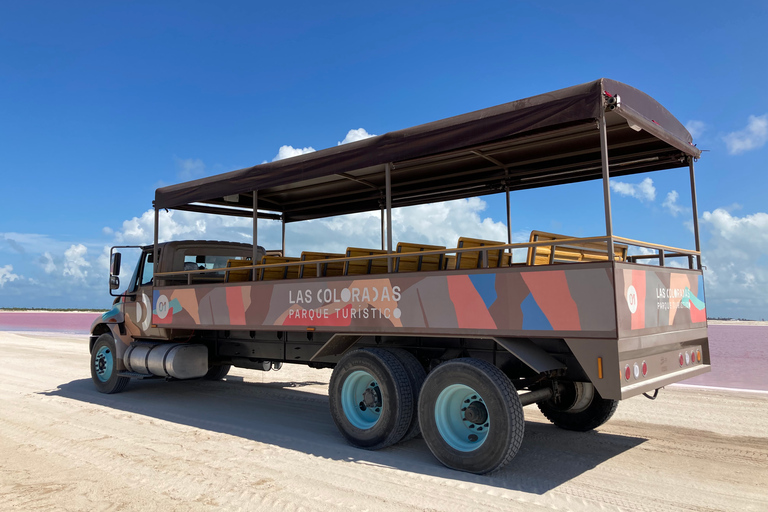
x,y
361,399
462,417
103,364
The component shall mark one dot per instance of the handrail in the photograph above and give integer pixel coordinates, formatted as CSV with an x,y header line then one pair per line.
x,y
455,250
650,245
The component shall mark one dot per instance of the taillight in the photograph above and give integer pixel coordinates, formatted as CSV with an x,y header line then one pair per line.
x,y
636,371
682,360
698,355
627,372
645,369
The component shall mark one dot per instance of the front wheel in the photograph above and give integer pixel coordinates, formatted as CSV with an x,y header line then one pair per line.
x,y
370,398
579,407
104,366
471,416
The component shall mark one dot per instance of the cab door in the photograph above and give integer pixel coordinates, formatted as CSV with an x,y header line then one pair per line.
x,y
138,307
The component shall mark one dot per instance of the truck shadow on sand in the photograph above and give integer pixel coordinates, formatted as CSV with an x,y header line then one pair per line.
x,y
280,415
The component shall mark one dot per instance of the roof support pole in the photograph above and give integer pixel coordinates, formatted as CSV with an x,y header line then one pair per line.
x,y
388,185
282,221
383,233
695,212
606,185
155,249
255,232
509,220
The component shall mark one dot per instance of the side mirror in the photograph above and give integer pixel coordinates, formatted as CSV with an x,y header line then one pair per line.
x,y
114,282
114,265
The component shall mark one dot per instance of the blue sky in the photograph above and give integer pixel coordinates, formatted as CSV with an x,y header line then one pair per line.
x,y
104,102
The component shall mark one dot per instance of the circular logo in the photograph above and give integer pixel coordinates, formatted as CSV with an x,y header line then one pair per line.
x,y
632,299
162,306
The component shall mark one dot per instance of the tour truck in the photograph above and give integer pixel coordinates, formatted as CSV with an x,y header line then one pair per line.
x,y
447,342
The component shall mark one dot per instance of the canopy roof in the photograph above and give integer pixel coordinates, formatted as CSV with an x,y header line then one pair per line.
x,y
540,141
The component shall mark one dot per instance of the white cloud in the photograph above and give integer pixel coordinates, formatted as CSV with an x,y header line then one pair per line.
x,y
737,271
32,243
181,225
355,135
189,168
670,203
436,224
439,223
290,151
696,128
644,191
7,275
47,261
754,136
75,264
13,244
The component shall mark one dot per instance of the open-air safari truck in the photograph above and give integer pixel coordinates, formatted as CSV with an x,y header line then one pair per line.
x,y
449,342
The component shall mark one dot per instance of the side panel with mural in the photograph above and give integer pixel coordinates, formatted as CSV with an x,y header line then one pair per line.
x,y
659,300
577,301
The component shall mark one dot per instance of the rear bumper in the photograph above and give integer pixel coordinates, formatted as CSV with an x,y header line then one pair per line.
x,y
662,380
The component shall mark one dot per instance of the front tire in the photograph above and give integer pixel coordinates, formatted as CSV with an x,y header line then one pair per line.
x,y
370,398
581,408
471,416
104,366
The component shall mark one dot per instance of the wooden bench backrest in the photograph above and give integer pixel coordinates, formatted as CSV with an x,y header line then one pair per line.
x,y
268,274
574,252
474,259
416,262
235,276
326,269
372,266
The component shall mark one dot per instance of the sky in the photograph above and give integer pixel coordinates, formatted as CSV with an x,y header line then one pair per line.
x,y
103,102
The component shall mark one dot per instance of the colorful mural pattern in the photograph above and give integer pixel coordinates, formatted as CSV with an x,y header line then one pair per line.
x,y
574,300
658,299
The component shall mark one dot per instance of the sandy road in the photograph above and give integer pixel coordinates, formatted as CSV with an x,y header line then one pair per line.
x,y
265,441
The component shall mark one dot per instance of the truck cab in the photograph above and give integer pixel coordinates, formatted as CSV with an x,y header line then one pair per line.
x,y
188,262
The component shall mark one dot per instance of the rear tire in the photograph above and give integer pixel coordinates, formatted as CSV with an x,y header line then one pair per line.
x,y
416,377
217,372
370,398
104,366
471,416
581,409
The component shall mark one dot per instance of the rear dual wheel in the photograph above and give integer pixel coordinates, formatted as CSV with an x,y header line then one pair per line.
x,y
471,416
468,411
579,407
371,398
217,372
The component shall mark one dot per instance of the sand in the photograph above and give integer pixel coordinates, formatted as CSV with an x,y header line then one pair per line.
x,y
265,441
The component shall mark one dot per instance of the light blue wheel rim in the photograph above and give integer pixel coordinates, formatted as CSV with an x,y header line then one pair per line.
x,y
353,395
450,412
103,363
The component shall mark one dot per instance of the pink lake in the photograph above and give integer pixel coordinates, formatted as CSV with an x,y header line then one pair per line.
x,y
70,323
